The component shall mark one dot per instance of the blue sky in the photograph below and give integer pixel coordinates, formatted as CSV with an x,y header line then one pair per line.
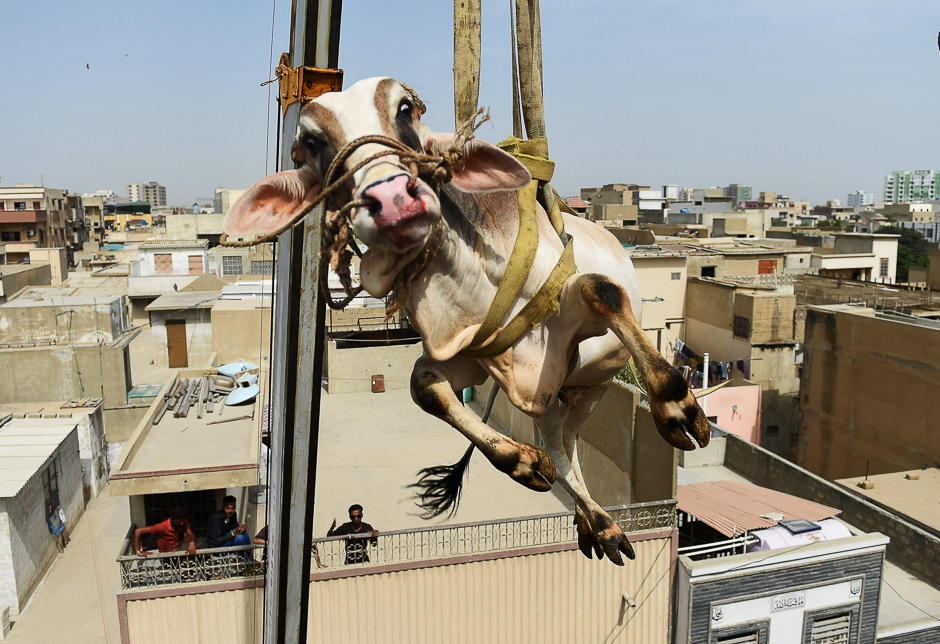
x,y
811,99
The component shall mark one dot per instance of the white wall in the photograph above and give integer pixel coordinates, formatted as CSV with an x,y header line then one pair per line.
x,y
180,261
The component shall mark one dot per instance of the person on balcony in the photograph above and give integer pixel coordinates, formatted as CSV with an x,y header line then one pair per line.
x,y
356,549
225,530
169,534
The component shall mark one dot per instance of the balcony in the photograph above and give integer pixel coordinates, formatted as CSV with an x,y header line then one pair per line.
x,y
23,216
399,547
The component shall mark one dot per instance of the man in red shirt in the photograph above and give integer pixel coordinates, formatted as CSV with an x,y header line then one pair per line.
x,y
169,534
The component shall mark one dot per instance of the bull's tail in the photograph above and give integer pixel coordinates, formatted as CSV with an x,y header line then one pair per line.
x,y
439,487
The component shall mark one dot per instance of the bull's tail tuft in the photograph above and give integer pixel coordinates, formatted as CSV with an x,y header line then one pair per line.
x,y
438,488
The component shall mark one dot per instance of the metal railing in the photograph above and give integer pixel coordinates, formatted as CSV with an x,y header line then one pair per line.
x,y
397,546
728,548
209,564
402,546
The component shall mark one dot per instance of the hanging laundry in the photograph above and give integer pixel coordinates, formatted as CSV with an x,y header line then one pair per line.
x,y
743,368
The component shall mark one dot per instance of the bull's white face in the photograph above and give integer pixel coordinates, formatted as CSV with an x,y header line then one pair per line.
x,y
398,217
398,212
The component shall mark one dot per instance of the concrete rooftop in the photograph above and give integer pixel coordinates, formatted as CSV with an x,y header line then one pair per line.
x,y
914,494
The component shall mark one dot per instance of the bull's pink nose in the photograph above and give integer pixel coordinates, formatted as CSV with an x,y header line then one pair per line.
x,y
394,202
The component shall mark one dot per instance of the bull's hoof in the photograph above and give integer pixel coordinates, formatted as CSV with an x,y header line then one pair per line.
x,y
587,542
535,469
612,539
605,538
682,423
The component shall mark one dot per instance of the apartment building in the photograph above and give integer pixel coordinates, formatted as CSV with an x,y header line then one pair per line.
x,y
32,217
917,185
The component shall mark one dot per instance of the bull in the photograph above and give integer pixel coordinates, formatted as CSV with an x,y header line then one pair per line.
x,y
454,241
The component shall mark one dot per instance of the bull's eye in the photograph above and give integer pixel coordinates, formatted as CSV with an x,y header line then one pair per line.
x,y
312,145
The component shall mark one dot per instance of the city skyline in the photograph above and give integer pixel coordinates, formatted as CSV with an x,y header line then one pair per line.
x,y
677,93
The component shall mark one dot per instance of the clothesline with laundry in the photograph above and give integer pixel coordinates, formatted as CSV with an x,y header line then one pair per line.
x,y
692,367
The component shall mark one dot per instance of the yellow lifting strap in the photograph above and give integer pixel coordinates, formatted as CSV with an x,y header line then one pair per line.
x,y
533,154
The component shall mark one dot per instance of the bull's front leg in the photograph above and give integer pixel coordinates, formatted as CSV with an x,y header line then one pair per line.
x,y
433,392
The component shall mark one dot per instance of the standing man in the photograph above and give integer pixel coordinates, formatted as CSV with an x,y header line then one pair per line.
x,y
169,533
225,530
356,549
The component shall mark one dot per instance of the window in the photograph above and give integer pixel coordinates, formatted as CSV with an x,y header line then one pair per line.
x,y
231,265
36,205
884,267
742,327
50,486
676,276
163,262
773,430
708,271
831,630
19,205
13,236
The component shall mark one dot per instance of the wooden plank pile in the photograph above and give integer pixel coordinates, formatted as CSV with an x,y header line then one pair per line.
x,y
202,393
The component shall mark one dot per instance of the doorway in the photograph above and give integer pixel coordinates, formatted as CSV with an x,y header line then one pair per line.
x,y
176,343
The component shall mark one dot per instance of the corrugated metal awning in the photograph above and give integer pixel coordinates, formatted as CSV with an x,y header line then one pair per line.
x,y
733,508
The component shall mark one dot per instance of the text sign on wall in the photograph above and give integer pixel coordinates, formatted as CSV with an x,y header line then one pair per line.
x,y
788,601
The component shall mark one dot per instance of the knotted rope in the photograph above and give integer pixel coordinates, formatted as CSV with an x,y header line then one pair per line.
x,y
337,236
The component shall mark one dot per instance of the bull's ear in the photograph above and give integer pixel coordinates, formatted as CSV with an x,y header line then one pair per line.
x,y
484,167
272,203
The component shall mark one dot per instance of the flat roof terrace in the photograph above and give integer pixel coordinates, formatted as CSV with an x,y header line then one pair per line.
x,y
190,453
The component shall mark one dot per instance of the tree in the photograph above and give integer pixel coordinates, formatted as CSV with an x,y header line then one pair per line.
x,y
912,249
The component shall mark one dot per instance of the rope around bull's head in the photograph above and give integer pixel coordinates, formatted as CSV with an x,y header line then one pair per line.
x,y
337,236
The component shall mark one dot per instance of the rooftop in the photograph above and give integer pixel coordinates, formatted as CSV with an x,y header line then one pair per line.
x,y
174,301
734,507
915,495
169,244
25,445
190,453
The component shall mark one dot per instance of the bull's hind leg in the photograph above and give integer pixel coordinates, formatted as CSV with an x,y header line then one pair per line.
x,y
595,527
432,390
575,417
678,416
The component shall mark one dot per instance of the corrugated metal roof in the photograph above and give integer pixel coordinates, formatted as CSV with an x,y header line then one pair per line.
x,y
25,444
166,244
732,507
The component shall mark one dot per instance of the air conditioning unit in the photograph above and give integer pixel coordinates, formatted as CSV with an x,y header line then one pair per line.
x,y
30,232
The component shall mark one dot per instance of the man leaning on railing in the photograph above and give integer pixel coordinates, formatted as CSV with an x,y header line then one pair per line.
x,y
169,533
356,549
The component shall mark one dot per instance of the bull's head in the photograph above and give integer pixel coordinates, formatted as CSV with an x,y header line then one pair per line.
x,y
398,214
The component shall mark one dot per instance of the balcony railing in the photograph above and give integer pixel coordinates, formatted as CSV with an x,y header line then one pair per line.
x,y
209,564
397,546
23,216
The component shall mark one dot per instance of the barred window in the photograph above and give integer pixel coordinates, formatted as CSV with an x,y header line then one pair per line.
x,y
163,263
884,267
50,485
231,265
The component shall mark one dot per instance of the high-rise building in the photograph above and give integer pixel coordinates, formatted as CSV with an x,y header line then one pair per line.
x,y
151,192
860,198
919,185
